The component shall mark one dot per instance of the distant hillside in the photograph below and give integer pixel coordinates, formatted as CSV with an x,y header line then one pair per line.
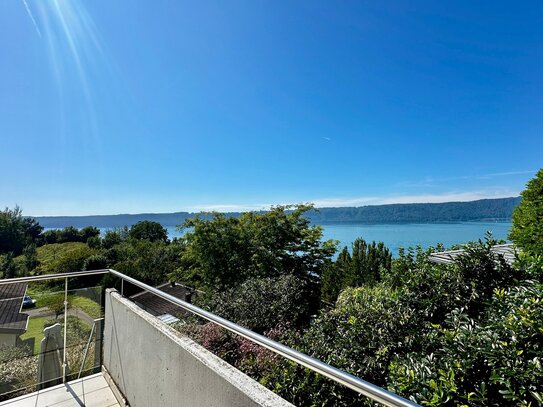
x,y
484,209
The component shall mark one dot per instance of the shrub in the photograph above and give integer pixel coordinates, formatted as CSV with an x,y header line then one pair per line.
x,y
261,304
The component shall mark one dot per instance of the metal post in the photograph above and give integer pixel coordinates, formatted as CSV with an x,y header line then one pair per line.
x,y
122,287
86,350
99,323
65,328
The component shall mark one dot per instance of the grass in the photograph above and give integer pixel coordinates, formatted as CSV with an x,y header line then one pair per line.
x,y
36,324
35,330
91,308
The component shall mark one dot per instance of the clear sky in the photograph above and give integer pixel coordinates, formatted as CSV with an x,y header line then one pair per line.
x,y
157,106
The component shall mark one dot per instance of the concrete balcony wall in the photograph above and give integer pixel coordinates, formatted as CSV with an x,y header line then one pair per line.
x,y
152,365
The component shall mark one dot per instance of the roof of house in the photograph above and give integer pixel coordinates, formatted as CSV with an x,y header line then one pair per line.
x,y
159,306
508,251
11,300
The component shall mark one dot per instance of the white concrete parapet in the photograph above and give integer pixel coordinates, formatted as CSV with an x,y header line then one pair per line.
x,y
152,365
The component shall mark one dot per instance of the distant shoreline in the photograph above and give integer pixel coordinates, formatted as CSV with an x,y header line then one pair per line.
x,y
484,210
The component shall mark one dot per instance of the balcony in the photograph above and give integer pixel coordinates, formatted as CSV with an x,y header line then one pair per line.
x,y
132,358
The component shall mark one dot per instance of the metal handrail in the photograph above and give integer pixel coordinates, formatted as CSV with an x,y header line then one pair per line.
x,y
42,277
370,390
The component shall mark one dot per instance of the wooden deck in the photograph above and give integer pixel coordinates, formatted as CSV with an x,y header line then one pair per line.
x,y
91,391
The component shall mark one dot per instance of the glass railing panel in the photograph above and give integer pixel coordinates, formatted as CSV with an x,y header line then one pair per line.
x,y
32,348
84,332
32,335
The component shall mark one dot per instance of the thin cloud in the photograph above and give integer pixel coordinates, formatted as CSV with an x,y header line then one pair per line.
x,y
31,17
229,207
451,196
435,182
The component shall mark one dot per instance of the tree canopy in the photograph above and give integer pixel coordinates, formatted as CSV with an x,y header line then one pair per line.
x,y
527,229
17,231
147,230
224,251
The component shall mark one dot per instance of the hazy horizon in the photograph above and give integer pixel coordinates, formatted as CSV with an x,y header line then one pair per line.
x,y
265,208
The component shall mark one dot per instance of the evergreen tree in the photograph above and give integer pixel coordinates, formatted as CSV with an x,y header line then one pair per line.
x,y
368,261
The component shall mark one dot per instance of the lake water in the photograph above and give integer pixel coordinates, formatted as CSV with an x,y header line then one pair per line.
x,y
395,236
411,234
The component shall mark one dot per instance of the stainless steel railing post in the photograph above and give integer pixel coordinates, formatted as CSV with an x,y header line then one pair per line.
x,y
65,328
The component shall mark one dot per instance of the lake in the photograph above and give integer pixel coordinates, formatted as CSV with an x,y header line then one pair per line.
x,y
395,236
405,235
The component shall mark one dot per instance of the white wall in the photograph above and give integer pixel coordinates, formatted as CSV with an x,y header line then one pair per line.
x,y
152,365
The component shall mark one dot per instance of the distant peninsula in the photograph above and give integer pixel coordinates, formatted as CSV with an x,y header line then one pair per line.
x,y
499,209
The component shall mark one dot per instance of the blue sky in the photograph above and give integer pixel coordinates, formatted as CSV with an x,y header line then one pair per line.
x,y
157,106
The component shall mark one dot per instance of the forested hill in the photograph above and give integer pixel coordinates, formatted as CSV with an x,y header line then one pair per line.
x,y
484,209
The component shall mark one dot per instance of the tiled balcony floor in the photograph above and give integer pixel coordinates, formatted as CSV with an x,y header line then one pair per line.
x,y
91,391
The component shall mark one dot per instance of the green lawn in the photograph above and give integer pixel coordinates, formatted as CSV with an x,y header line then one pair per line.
x,y
35,330
87,305
36,324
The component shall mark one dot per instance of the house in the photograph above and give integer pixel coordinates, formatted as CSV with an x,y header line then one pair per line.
x,y
161,308
12,322
508,252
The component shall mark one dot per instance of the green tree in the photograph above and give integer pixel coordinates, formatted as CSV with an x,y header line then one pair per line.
x,y
30,254
224,251
147,230
64,257
94,242
147,261
95,262
8,266
51,236
17,231
89,232
261,304
364,267
114,237
69,234
527,229
368,262
56,304
334,276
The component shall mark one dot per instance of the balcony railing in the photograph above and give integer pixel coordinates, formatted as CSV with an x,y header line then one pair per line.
x,y
363,387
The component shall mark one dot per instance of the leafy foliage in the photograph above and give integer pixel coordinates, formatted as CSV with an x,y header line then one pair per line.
x,y
30,257
8,268
114,237
527,230
16,231
56,303
493,361
63,257
95,262
224,251
261,304
146,230
70,234
147,261
462,334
